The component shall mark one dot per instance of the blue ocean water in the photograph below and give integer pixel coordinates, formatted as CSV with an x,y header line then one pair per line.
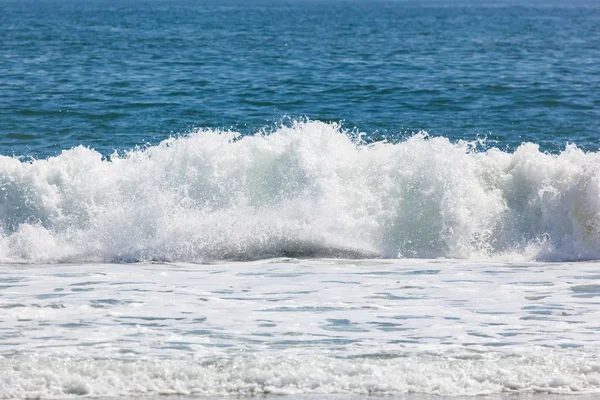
x,y
112,74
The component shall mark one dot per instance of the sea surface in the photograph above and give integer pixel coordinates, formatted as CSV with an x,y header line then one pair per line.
x,y
300,199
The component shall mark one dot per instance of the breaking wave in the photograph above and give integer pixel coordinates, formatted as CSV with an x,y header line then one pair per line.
x,y
35,376
305,190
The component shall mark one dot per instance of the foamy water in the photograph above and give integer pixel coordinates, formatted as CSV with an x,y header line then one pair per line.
x,y
347,308
305,190
299,327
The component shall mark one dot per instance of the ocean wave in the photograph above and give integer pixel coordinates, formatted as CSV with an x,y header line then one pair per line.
x,y
43,376
305,190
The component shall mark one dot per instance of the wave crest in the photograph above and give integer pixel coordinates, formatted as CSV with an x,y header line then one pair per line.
x,y
309,190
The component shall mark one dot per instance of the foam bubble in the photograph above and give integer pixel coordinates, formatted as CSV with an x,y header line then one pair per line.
x,y
31,376
304,190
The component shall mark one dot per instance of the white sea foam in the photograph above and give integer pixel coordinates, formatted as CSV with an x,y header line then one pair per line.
x,y
56,377
303,190
299,327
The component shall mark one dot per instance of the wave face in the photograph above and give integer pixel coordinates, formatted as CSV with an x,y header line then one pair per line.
x,y
307,190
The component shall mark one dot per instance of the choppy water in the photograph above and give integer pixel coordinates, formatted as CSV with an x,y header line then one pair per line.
x,y
113,73
317,199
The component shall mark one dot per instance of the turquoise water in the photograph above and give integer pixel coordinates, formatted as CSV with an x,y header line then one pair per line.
x,y
112,74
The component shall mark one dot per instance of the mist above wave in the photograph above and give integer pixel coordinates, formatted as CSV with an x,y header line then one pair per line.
x,y
309,190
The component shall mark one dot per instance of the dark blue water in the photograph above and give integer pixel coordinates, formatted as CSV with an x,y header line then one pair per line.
x,y
116,74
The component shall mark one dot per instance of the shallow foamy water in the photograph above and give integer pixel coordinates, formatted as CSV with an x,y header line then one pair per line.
x,y
299,327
